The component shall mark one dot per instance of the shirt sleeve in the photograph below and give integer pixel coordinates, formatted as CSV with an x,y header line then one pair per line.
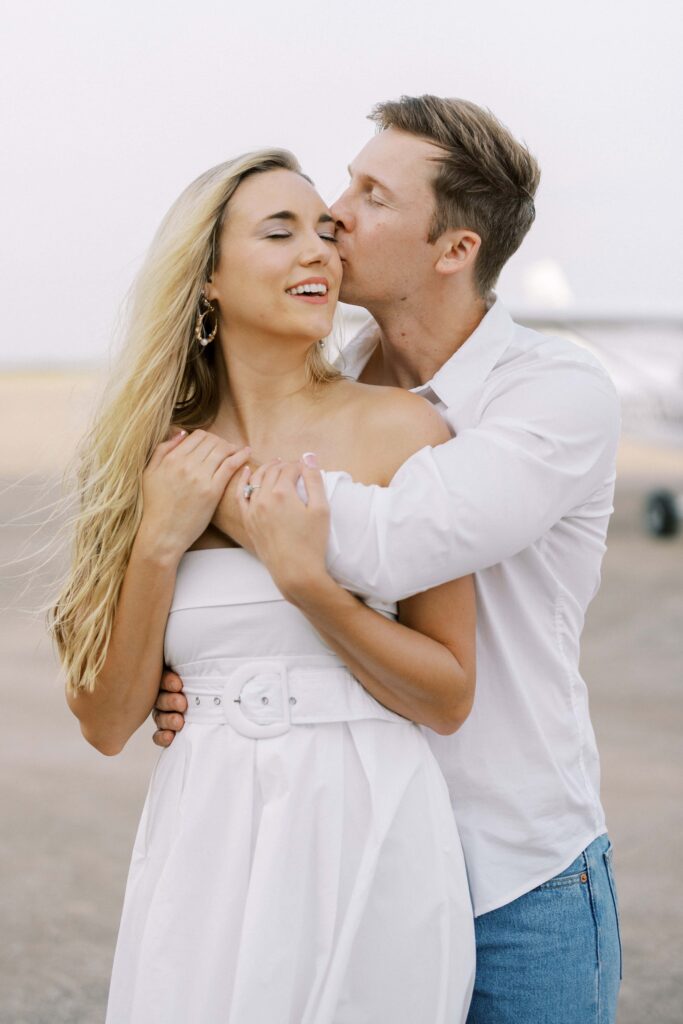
x,y
541,449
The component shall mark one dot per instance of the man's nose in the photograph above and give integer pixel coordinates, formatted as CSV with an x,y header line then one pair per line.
x,y
341,212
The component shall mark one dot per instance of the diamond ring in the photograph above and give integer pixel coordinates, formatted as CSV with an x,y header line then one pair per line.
x,y
249,490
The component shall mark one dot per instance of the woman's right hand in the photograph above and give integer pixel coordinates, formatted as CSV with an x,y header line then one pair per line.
x,y
182,484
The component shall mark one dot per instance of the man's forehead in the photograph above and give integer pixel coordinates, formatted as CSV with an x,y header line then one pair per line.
x,y
395,158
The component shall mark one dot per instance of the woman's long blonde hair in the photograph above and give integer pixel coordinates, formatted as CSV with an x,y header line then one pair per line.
x,y
163,378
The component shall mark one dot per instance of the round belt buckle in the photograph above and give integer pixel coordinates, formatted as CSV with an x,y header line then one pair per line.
x,y
251,698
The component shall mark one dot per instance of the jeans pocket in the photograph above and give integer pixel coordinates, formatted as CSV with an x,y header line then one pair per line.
x,y
563,881
607,856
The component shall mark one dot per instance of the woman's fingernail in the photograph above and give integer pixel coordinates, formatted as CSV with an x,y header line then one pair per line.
x,y
310,459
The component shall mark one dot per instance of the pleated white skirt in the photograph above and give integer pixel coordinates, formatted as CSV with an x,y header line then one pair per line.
x,y
311,877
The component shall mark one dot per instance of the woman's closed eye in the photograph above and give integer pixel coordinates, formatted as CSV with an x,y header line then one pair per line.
x,y
288,234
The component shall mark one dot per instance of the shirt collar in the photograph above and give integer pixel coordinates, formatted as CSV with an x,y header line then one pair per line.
x,y
461,374
471,364
355,354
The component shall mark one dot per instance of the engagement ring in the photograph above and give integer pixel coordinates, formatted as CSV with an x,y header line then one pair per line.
x,y
249,490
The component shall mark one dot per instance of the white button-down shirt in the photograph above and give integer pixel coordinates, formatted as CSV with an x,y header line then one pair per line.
x,y
521,496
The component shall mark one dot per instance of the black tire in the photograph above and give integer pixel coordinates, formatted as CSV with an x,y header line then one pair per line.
x,y
661,514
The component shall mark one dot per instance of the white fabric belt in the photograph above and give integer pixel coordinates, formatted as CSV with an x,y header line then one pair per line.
x,y
264,698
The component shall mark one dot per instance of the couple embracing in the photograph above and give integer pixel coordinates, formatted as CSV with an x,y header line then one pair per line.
x,y
317,557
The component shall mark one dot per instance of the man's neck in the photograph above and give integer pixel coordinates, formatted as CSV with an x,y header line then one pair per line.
x,y
415,343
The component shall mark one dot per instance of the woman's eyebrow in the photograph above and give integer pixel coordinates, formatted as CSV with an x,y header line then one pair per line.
x,y
288,215
282,215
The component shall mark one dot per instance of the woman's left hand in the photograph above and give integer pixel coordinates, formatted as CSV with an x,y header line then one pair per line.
x,y
288,536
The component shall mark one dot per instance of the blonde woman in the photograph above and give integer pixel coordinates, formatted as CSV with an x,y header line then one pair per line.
x,y
297,858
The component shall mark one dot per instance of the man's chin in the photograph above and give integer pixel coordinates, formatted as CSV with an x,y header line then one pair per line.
x,y
351,296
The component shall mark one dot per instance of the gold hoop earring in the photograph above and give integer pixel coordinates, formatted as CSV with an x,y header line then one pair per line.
x,y
205,309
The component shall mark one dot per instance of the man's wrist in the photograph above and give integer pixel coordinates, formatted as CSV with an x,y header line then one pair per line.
x,y
311,590
228,519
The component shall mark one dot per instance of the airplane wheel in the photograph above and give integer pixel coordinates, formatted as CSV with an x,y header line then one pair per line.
x,y
661,514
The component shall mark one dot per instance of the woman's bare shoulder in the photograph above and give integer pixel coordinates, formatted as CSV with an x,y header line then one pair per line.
x,y
397,423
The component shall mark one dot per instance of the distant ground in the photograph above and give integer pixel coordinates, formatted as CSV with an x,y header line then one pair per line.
x,y
69,814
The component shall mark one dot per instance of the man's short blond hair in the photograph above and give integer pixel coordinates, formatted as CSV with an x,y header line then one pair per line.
x,y
486,180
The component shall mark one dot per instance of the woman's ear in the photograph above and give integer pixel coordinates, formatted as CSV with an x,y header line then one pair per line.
x,y
209,290
458,250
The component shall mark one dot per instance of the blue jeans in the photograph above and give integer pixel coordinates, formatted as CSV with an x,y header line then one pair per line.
x,y
553,956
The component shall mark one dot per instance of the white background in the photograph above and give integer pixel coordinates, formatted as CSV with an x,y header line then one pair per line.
x,y
111,109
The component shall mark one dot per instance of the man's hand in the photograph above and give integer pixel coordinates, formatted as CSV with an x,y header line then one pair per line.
x,y
169,709
287,535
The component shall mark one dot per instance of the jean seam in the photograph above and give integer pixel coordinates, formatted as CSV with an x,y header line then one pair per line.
x,y
612,886
562,881
596,925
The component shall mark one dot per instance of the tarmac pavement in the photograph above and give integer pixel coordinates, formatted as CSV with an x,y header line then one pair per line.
x,y
69,814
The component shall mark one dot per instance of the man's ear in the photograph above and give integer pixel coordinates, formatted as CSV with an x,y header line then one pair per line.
x,y
458,250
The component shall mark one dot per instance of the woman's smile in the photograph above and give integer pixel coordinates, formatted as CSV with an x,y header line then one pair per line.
x,y
313,289
278,237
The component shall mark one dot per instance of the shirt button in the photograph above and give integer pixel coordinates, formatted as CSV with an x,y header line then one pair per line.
x,y
584,877
197,700
264,700
216,700
292,700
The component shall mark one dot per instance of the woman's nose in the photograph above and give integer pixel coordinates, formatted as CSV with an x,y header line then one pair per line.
x,y
318,252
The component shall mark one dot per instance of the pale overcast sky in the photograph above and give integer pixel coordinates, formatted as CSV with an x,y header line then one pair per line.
x,y
111,109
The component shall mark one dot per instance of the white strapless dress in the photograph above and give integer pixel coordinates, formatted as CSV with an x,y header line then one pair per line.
x,y
297,860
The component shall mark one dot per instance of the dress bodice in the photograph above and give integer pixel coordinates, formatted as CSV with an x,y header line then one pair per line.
x,y
226,605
